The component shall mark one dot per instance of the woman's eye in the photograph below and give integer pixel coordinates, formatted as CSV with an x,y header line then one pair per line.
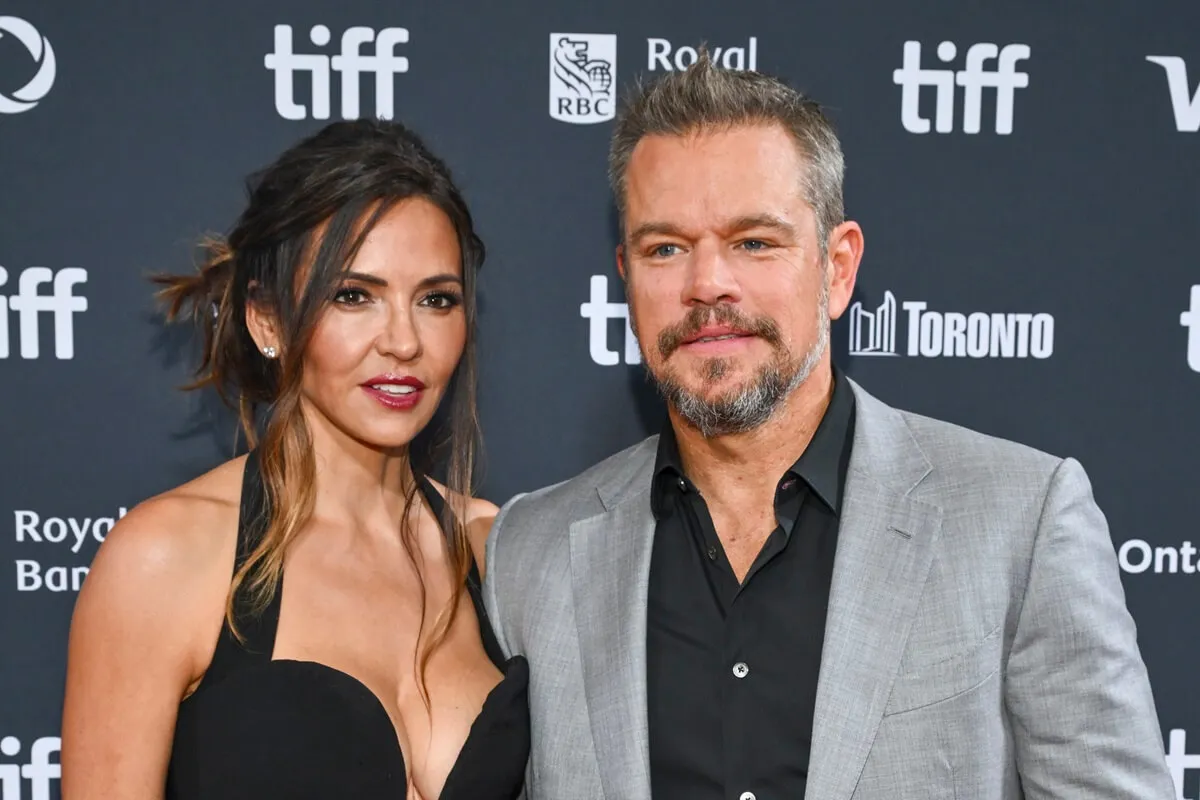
x,y
443,300
350,297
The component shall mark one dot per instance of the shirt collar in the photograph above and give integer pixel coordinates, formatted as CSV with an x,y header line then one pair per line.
x,y
822,465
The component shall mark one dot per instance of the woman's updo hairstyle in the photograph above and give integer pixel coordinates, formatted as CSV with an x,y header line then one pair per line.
x,y
306,217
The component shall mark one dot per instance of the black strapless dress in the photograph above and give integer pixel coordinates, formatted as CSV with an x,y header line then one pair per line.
x,y
297,730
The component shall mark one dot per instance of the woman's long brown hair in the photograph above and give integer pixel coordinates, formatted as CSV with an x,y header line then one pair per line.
x,y
307,216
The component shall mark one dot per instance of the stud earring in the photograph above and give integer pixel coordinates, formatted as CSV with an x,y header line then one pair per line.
x,y
269,351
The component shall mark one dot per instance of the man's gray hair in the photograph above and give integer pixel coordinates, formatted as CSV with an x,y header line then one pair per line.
x,y
706,97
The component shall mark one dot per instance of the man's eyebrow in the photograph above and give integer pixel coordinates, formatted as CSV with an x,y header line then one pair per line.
x,y
652,228
762,221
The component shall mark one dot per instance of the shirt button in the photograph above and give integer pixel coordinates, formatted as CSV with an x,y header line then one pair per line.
x,y
712,554
682,485
740,670
747,796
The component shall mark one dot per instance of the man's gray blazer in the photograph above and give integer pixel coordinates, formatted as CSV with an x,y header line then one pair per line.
x,y
977,646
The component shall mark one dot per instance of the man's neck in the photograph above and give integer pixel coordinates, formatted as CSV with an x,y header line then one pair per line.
x,y
739,467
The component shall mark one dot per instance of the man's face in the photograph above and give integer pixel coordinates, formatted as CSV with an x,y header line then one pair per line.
x,y
729,291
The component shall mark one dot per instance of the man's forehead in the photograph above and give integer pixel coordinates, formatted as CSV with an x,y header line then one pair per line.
x,y
784,206
682,174
739,141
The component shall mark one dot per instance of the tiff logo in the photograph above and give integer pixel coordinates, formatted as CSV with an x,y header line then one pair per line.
x,y
1190,319
39,771
1187,109
974,78
350,64
598,311
1179,760
28,302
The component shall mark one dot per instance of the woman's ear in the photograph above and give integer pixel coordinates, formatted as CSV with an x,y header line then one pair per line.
x,y
263,326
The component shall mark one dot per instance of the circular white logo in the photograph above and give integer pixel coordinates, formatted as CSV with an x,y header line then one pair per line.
x,y
39,47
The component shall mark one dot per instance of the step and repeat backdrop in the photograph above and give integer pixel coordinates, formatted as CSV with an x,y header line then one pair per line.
x,y
1028,179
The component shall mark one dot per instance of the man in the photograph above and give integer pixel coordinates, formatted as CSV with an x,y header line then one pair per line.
x,y
797,590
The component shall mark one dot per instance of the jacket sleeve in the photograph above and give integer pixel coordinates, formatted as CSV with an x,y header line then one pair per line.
x,y
1084,719
496,576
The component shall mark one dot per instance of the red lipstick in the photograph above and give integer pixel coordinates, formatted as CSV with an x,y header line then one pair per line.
x,y
397,392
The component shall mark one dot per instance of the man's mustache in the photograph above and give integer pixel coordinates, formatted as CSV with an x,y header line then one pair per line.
x,y
672,337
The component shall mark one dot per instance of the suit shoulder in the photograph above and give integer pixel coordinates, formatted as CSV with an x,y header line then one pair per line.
x,y
973,455
572,498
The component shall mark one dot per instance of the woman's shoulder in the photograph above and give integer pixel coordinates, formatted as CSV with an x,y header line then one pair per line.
x,y
476,507
175,538
478,517
160,577
187,517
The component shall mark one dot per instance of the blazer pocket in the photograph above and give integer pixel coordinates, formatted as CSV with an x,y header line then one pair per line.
x,y
926,684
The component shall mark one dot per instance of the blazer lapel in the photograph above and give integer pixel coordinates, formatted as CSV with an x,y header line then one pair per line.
x,y
886,544
610,571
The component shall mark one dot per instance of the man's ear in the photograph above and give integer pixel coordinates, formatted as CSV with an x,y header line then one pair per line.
x,y
845,254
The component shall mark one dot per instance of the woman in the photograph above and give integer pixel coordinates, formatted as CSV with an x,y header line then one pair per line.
x,y
342,306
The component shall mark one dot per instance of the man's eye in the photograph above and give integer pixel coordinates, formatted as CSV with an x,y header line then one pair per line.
x,y
754,245
664,250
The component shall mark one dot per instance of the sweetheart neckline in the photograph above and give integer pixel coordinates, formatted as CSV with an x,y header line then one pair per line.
x,y
506,671
257,651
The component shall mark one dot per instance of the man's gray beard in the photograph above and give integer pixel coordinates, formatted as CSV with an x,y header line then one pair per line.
x,y
753,404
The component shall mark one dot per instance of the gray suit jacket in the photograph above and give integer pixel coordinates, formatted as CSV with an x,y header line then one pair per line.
x,y
977,645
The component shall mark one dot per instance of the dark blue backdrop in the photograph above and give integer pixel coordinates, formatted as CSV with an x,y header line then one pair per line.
x,y
1026,177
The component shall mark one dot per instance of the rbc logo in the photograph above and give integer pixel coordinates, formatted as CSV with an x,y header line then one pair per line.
x,y
598,311
735,58
350,63
28,302
583,70
1004,78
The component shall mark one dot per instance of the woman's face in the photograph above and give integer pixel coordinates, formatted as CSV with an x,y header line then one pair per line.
x,y
384,350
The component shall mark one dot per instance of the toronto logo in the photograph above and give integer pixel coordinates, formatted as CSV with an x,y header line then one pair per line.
x,y
932,334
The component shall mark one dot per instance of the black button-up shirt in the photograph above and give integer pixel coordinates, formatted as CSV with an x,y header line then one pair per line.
x,y
732,668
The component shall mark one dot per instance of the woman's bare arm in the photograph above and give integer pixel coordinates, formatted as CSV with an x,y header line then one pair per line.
x,y
142,634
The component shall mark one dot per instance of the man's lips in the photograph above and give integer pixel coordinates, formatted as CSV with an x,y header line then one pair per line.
x,y
716,333
716,341
719,330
